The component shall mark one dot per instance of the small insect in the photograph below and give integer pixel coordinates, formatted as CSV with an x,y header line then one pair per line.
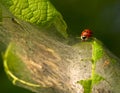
x,y
86,34
15,21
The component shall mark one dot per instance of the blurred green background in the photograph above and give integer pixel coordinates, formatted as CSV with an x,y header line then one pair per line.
x,y
101,16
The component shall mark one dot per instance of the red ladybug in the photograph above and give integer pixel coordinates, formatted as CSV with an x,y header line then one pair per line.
x,y
86,33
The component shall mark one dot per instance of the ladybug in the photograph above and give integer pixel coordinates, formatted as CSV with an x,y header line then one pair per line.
x,y
86,33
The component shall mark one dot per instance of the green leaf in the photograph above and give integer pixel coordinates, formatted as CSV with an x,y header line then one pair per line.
x,y
61,25
87,85
97,52
40,12
34,11
96,79
16,69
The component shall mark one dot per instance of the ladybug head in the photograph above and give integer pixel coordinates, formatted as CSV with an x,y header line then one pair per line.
x,y
87,33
